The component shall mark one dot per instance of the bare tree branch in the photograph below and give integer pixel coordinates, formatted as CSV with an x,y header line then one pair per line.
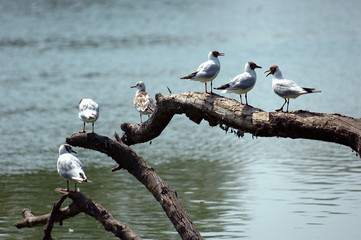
x,y
228,113
224,112
80,204
51,220
30,220
127,159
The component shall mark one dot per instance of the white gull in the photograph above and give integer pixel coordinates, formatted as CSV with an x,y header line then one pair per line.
x,y
88,112
242,83
208,70
286,88
70,167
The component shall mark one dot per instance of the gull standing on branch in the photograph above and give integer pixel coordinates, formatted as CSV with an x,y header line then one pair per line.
x,y
242,83
70,167
88,112
143,102
286,88
208,70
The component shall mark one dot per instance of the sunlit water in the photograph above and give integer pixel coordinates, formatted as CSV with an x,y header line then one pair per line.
x,y
53,53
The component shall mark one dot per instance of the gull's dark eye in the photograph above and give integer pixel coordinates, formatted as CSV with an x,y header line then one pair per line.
x,y
68,148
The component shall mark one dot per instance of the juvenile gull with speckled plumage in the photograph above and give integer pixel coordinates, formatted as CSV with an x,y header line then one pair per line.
x,y
143,102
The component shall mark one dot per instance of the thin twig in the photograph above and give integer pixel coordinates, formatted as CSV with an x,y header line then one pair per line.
x,y
54,212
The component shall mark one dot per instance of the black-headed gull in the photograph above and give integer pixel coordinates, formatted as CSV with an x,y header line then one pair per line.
x,y
208,70
70,167
242,83
88,112
143,102
286,88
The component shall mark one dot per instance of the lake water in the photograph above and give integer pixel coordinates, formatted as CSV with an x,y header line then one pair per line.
x,y
53,53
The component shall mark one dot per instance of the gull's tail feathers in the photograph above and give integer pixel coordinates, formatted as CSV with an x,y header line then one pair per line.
x,y
311,90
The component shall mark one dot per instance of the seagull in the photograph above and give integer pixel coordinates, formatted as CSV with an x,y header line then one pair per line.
x,y
143,102
88,112
70,167
286,88
208,70
242,83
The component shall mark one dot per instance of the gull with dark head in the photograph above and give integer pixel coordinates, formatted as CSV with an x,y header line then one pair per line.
x,y
208,70
242,83
88,112
70,167
286,88
143,102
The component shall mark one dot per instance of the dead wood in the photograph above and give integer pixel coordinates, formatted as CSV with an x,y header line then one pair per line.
x,y
127,159
217,110
80,204
228,113
51,220
30,220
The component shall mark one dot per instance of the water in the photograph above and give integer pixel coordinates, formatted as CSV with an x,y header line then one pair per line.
x,y
54,53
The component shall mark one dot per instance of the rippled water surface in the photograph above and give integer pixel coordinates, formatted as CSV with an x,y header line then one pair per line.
x,y
53,53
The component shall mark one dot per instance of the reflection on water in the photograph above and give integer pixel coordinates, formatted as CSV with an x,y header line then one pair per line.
x,y
54,53
227,195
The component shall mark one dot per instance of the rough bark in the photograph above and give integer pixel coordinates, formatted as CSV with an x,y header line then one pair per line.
x,y
80,204
127,159
51,220
228,113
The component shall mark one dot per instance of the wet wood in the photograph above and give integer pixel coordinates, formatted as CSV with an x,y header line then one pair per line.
x,y
80,204
230,114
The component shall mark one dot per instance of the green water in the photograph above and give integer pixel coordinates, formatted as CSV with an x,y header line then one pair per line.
x,y
53,53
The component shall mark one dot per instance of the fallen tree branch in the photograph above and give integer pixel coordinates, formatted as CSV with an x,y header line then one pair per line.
x,y
51,220
30,220
127,159
80,204
224,112
228,113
